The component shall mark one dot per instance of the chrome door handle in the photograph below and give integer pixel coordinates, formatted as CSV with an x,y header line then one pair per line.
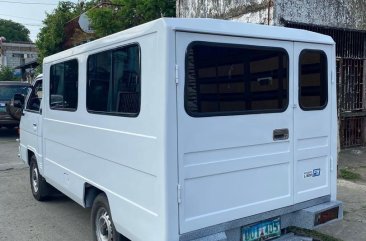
x,y
34,125
280,134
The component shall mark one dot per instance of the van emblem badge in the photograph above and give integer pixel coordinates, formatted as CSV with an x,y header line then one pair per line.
x,y
313,173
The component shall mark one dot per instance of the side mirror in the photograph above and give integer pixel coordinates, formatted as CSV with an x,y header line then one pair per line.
x,y
18,101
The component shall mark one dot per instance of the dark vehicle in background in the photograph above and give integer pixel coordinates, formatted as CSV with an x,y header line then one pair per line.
x,y
9,89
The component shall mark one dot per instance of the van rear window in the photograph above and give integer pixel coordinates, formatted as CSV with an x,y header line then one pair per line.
x,y
228,79
313,80
113,86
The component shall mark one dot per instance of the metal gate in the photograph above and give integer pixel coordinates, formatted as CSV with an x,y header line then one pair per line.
x,y
351,77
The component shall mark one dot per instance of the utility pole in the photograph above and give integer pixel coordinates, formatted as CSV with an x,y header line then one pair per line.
x,y
2,39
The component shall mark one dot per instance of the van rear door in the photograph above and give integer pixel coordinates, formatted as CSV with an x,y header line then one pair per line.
x,y
313,123
235,127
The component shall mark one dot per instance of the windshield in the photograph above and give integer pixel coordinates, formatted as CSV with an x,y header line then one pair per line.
x,y
7,92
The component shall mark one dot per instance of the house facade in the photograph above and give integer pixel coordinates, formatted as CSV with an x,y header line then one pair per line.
x,y
15,54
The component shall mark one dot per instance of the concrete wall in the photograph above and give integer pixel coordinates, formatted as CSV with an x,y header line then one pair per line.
x,y
333,13
255,11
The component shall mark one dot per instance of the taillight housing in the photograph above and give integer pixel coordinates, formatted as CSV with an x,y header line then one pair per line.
x,y
326,216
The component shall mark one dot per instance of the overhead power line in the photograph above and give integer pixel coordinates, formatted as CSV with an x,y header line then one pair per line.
x,y
35,25
27,3
6,15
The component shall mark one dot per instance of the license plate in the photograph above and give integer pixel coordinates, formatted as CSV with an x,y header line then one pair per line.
x,y
2,104
265,230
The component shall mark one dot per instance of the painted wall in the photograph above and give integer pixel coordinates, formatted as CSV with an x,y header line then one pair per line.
x,y
255,11
334,13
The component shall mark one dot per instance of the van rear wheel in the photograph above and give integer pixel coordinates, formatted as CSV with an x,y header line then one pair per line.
x,y
40,188
102,224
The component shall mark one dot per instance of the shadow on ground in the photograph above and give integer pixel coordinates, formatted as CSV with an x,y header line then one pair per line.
x,y
8,133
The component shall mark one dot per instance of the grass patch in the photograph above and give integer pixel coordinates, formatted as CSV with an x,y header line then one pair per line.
x,y
313,234
349,175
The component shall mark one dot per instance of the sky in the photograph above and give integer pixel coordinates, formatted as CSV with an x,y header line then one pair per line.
x,y
30,13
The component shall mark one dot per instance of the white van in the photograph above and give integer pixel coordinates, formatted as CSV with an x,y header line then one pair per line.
x,y
189,129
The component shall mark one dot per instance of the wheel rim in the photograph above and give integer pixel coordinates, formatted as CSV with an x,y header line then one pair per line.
x,y
35,179
103,223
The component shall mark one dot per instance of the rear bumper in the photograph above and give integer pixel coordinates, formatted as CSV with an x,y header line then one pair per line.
x,y
302,215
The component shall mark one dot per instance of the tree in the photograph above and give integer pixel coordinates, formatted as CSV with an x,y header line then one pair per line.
x,y
6,74
52,36
109,18
122,14
13,31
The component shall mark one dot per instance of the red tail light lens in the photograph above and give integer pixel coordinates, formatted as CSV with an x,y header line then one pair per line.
x,y
326,216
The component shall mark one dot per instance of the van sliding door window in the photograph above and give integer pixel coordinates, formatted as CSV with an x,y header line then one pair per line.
x,y
113,86
313,80
64,86
228,79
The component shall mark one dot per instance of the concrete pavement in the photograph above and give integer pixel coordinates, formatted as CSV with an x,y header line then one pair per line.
x,y
353,194
22,218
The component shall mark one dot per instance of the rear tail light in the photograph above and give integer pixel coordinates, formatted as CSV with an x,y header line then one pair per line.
x,y
326,216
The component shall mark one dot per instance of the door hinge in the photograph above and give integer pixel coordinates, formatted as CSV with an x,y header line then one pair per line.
x,y
176,74
331,164
179,197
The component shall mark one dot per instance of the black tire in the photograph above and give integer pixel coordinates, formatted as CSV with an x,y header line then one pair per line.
x,y
101,221
40,188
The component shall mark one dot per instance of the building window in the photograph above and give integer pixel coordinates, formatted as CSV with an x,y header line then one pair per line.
x,y
113,82
313,80
228,79
64,86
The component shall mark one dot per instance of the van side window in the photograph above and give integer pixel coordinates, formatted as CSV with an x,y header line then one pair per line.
x,y
35,97
228,79
113,85
64,86
313,80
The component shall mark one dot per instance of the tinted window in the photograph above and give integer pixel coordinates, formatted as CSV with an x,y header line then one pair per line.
x,y
35,98
223,79
7,92
64,86
313,80
114,82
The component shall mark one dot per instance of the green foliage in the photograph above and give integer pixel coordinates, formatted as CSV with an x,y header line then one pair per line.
x,y
111,18
348,174
52,36
6,74
13,31
123,14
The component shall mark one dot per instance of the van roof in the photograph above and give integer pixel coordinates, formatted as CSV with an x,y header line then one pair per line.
x,y
201,25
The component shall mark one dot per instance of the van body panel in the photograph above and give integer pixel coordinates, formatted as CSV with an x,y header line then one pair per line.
x,y
313,127
167,173
31,133
119,155
227,164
